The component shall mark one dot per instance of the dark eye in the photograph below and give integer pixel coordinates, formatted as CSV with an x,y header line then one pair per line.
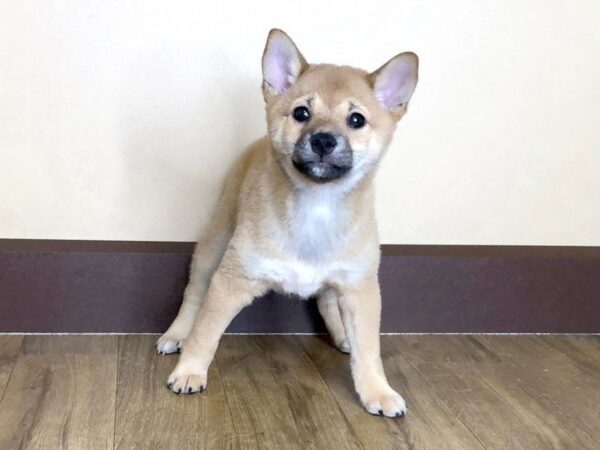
x,y
301,114
356,120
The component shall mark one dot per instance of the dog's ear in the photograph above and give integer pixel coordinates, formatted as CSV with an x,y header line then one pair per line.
x,y
395,81
282,64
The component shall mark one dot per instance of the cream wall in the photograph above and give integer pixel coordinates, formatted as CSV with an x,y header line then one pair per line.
x,y
118,119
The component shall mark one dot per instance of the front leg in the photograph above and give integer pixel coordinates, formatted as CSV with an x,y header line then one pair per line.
x,y
361,313
229,292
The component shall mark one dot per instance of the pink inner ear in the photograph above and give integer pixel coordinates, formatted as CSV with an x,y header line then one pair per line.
x,y
395,84
279,65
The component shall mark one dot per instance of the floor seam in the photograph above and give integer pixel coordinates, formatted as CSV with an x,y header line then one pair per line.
x,y
532,397
506,400
12,369
218,366
299,344
116,391
416,369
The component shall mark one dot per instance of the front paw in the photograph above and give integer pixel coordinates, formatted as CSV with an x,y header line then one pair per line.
x,y
383,402
169,343
187,381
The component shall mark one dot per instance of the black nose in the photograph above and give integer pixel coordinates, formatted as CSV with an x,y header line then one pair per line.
x,y
323,143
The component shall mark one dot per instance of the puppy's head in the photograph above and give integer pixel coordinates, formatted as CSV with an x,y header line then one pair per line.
x,y
331,123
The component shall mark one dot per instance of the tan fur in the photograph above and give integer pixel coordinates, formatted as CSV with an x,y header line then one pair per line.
x,y
276,229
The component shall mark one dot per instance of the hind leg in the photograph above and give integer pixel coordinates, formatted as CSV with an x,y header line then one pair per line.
x,y
200,274
207,257
171,340
327,303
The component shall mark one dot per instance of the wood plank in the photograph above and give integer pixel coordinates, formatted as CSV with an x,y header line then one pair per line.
x,y
442,349
277,398
551,384
149,416
61,394
448,365
97,344
429,424
9,350
582,350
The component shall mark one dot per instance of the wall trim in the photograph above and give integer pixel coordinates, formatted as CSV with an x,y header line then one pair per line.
x,y
182,247
75,286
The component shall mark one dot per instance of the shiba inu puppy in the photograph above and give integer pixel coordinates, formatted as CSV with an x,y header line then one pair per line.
x,y
297,215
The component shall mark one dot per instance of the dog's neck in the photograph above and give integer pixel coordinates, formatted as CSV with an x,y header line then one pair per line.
x,y
322,218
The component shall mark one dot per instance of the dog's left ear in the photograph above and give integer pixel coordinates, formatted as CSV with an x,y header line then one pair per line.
x,y
282,64
395,82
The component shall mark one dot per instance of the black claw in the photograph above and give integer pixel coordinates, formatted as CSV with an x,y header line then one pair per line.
x,y
202,388
190,390
178,391
178,350
169,385
381,412
400,414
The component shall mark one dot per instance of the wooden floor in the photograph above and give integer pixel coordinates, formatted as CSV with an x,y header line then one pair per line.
x,y
282,392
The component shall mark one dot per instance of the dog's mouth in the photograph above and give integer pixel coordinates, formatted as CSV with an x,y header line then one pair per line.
x,y
321,171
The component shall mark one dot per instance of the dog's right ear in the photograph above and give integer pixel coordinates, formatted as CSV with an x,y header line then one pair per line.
x,y
282,64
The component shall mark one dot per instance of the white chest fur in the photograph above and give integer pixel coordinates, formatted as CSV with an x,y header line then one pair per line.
x,y
317,225
309,246
295,276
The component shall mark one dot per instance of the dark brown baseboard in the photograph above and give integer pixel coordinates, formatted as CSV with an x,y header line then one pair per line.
x,y
55,286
